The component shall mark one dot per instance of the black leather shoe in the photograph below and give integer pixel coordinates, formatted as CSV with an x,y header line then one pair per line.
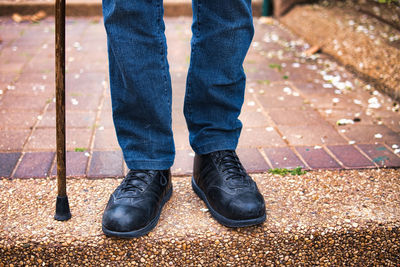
x,y
135,206
230,194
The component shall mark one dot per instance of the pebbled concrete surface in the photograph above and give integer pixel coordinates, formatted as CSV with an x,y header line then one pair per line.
x,y
328,218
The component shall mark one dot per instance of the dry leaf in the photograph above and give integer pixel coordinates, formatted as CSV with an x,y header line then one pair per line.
x,y
312,50
32,18
38,16
17,17
266,20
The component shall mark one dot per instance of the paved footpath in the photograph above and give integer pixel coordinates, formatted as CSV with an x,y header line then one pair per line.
x,y
298,110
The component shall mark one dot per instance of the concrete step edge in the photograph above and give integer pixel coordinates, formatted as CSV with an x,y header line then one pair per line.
x,y
373,245
322,218
87,9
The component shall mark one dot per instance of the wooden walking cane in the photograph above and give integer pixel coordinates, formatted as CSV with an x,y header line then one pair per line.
x,y
62,206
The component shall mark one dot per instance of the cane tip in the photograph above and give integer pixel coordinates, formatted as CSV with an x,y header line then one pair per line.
x,y
62,209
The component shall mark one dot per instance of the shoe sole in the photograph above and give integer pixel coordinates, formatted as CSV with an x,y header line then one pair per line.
x,y
222,219
143,231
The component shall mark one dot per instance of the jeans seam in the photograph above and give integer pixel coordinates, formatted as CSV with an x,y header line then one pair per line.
x,y
189,80
163,48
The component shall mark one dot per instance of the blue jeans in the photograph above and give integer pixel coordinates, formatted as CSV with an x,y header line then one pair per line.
x,y
141,85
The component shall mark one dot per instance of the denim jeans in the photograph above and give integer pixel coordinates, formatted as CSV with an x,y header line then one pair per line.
x,y
140,82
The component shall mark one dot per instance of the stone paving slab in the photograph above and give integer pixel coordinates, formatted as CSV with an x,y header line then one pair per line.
x,y
328,218
298,110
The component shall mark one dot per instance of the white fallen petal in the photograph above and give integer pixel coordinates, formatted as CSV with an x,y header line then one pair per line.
x,y
251,103
74,101
340,85
287,90
269,129
274,37
352,142
317,147
328,77
349,84
335,100
373,100
378,135
344,122
374,105
296,65
395,146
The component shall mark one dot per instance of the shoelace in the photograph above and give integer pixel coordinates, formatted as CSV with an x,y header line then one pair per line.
x,y
139,179
232,166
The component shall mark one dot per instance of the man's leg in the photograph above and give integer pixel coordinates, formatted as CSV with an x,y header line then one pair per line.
x,y
141,102
222,33
140,82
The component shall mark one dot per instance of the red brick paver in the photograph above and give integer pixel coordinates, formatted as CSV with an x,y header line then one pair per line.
x,y
380,155
7,163
35,165
290,114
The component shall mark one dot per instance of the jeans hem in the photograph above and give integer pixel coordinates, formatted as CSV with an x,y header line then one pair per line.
x,y
148,164
215,146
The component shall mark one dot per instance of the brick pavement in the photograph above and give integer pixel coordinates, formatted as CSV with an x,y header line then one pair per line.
x,y
290,114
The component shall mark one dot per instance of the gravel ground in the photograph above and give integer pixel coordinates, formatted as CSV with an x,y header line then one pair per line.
x,y
323,217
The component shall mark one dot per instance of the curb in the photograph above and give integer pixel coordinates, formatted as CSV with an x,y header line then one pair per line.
x,y
87,9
